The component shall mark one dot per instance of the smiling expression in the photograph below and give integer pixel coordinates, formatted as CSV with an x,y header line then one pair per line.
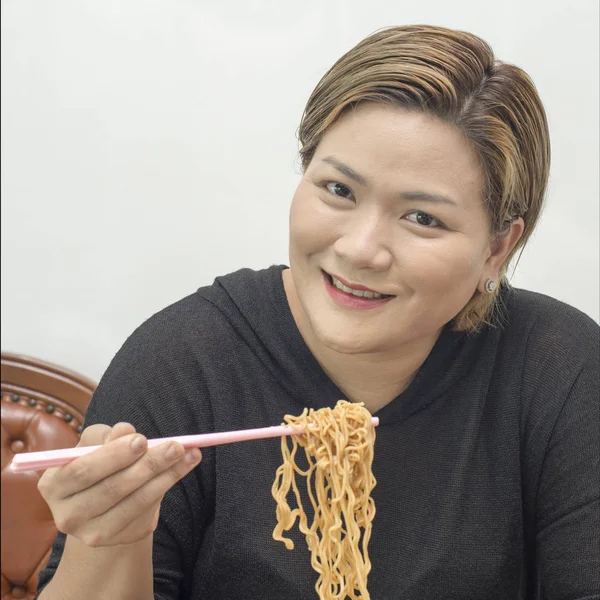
x,y
391,205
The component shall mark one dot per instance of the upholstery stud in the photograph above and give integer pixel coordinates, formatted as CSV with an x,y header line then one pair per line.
x,y
17,446
18,591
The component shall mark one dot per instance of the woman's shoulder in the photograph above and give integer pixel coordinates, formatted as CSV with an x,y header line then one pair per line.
x,y
211,316
546,323
551,345
178,350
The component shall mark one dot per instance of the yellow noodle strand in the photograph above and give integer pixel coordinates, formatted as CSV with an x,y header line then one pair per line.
x,y
338,444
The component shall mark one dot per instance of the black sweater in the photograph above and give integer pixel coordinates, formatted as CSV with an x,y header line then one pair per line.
x,y
487,466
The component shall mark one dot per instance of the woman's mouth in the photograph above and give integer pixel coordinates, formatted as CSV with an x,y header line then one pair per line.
x,y
353,296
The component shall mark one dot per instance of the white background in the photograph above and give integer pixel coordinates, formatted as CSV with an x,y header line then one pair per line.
x,y
149,146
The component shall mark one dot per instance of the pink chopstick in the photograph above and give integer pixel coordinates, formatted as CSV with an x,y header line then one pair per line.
x,y
35,461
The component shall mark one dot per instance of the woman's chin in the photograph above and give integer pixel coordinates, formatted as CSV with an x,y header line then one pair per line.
x,y
345,341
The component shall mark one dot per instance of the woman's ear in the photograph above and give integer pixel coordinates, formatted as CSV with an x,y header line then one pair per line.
x,y
501,246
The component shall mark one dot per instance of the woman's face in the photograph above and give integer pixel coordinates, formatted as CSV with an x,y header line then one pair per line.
x,y
391,201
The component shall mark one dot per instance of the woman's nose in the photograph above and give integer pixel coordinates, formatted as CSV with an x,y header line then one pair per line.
x,y
365,245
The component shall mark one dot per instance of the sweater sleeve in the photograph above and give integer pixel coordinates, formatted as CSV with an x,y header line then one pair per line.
x,y
568,511
156,384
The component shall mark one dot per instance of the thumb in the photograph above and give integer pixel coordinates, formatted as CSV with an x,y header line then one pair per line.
x,y
119,430
99,434
95,435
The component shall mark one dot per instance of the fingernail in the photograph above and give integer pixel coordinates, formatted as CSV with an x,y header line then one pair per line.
x,y
139,444
174,451
192,456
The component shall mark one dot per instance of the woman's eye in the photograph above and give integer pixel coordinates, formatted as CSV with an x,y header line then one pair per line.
x,y
424,219
339,189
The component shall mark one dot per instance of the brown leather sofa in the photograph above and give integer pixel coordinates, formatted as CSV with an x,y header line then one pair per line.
x,y
42,409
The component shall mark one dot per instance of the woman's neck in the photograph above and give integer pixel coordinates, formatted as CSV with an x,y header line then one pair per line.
x,y
374,378
370,378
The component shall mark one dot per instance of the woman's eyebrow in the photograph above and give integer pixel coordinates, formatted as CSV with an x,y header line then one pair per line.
x,y
345,169
427,197
352,174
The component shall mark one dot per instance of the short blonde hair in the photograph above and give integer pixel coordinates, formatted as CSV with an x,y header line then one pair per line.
x,y
454,76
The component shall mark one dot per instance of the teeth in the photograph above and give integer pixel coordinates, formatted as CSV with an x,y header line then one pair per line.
x,y
359,293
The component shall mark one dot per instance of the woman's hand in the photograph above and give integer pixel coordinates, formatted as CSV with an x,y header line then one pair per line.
x,y
112,496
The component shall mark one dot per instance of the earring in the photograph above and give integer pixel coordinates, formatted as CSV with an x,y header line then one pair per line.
x,y
490,286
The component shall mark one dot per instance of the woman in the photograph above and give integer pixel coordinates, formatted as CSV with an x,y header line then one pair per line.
x,y
425,167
